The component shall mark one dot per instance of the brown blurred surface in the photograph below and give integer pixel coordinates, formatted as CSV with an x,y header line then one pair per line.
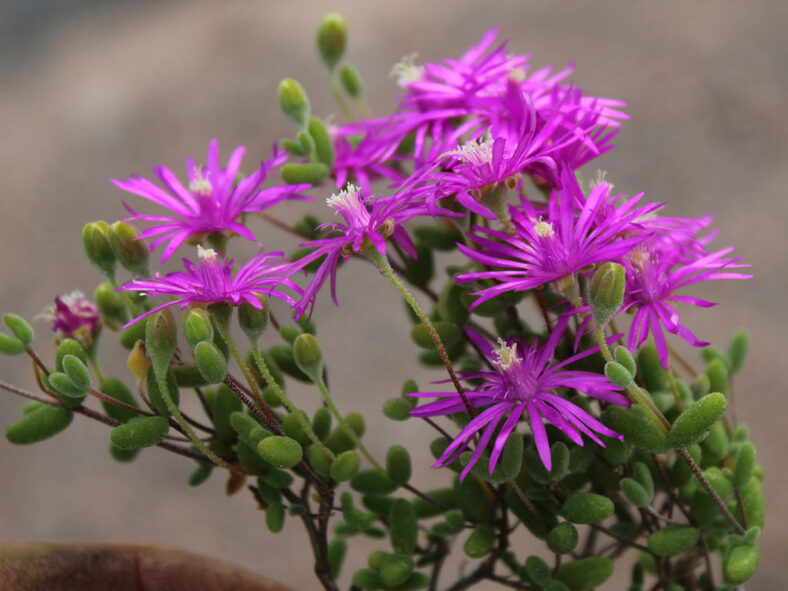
x,y
109,91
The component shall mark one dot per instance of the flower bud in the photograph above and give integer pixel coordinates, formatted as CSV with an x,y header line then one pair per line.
x,y
281,452
345,466
740,564
323,143
308,356
606,292
197,327
138,362
481,541
618,374
95,241
587,508
585,573
20,328
111,306
293,101
673,540
39,424
694,423
161,340
350,78
131,252
211,363
140,432
332,39
563,538
311,173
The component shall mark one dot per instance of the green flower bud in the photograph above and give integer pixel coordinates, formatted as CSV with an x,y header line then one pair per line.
x,y
606,292
403,527
161,340
740,564
345,466
275,517
695,422
311,173
718,377
20,328
398,464
95,241
281,452
350,78
253,320
635,492
197,327
332,39
448,332
395,569
585,573
618,374
77,372
744,467
625,358
111,306
324,145
738,348
131,252
308,356
211,362
293,101
372,482
563,538
397,409
39,424
481,541
336,551
587,508
116,389
11,345
140,432
673,540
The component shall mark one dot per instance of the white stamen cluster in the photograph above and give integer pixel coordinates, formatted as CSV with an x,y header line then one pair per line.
x,y
346,199
507,355
406,71
544,229
600,178
475,152
200,184
206,255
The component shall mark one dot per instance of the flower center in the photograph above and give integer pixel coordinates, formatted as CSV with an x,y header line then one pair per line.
x,y
349,205
200,184
406,71
544,229
475,152
507,356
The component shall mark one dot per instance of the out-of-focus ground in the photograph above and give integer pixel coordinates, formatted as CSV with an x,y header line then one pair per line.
x,y
92,92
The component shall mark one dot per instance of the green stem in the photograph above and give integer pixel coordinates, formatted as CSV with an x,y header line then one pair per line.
x,y
280,394
176,414
347,429
384,267
336,92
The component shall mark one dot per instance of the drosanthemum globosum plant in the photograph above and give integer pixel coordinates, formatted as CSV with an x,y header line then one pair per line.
x,y
585,422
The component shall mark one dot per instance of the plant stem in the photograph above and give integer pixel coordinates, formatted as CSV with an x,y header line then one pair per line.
x,y
384,267
336,92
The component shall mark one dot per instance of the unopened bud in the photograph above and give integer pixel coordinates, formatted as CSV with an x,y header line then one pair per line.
x,y
332,39
111,306
197,327
606,292
253,320
618,374
210,362
351,80
161,340
324,145
95,241
293,101
138,362
131,252
308,356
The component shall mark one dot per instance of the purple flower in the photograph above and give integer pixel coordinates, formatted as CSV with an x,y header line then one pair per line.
x,y
367,222
656,269
212,202
74,316
520,383
553,246
211,281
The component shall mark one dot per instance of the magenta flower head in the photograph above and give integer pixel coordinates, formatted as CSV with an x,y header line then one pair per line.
x,y
522,382
656,270
565,241
212,202
212,281
73,316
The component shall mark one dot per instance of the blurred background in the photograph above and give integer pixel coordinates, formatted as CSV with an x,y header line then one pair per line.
x,y
91,91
